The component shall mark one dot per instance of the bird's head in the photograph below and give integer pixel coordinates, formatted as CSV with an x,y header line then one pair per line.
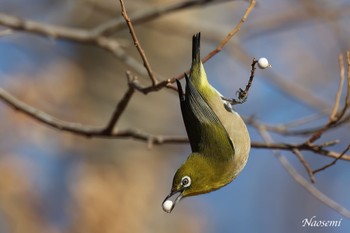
x,y
195,176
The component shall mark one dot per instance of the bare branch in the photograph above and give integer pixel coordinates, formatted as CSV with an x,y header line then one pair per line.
x,y
121,105
317,149
168,82
137,44
95,37
301,180
285,129
333,162
107,131
52,31
156,87
232,33
312,189
154,12
243,94
73,34
305,164
89,131
291,88
335,116
293,17
218,49
347,98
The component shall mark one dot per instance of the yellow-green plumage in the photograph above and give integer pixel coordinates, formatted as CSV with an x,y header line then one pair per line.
x,y
218,137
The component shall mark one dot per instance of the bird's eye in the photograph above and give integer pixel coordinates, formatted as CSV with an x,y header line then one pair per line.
x,y
186,181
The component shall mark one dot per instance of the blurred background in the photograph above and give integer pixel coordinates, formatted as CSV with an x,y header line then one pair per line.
x,y
52,181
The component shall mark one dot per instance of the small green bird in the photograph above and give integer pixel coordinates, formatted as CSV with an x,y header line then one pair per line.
x,y
218,137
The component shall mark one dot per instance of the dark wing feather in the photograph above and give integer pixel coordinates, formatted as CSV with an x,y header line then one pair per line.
x,y
204,129
201,110
191,122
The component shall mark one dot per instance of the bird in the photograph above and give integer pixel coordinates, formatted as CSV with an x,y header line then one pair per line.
x,y
218,136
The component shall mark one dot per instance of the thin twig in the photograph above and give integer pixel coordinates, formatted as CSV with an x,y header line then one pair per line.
x,y
317,149
285,129
120,106
347,98
232,33
303,120
288,87
154,12
333,115
333,162
292,18
80,36
48,30
157,87
312,189
222,44
137,44
243,94
302,181
86,130
167,83
305,164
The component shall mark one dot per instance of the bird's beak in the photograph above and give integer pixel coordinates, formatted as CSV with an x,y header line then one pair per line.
x,y
168,205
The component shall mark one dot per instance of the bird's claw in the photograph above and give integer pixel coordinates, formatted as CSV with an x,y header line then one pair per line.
x,y
242,97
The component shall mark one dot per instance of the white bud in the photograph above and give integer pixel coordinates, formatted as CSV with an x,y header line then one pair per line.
x,y
167,206
263,63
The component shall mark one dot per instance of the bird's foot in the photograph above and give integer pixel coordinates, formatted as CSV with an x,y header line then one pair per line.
x,y
242,97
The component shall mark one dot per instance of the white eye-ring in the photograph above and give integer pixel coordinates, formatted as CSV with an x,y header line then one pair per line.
x,y
186,181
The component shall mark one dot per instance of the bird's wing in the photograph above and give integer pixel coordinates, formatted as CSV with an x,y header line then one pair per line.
x,y
204,129
191,122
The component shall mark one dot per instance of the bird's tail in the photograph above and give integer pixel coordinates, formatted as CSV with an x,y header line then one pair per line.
x,y
196,42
